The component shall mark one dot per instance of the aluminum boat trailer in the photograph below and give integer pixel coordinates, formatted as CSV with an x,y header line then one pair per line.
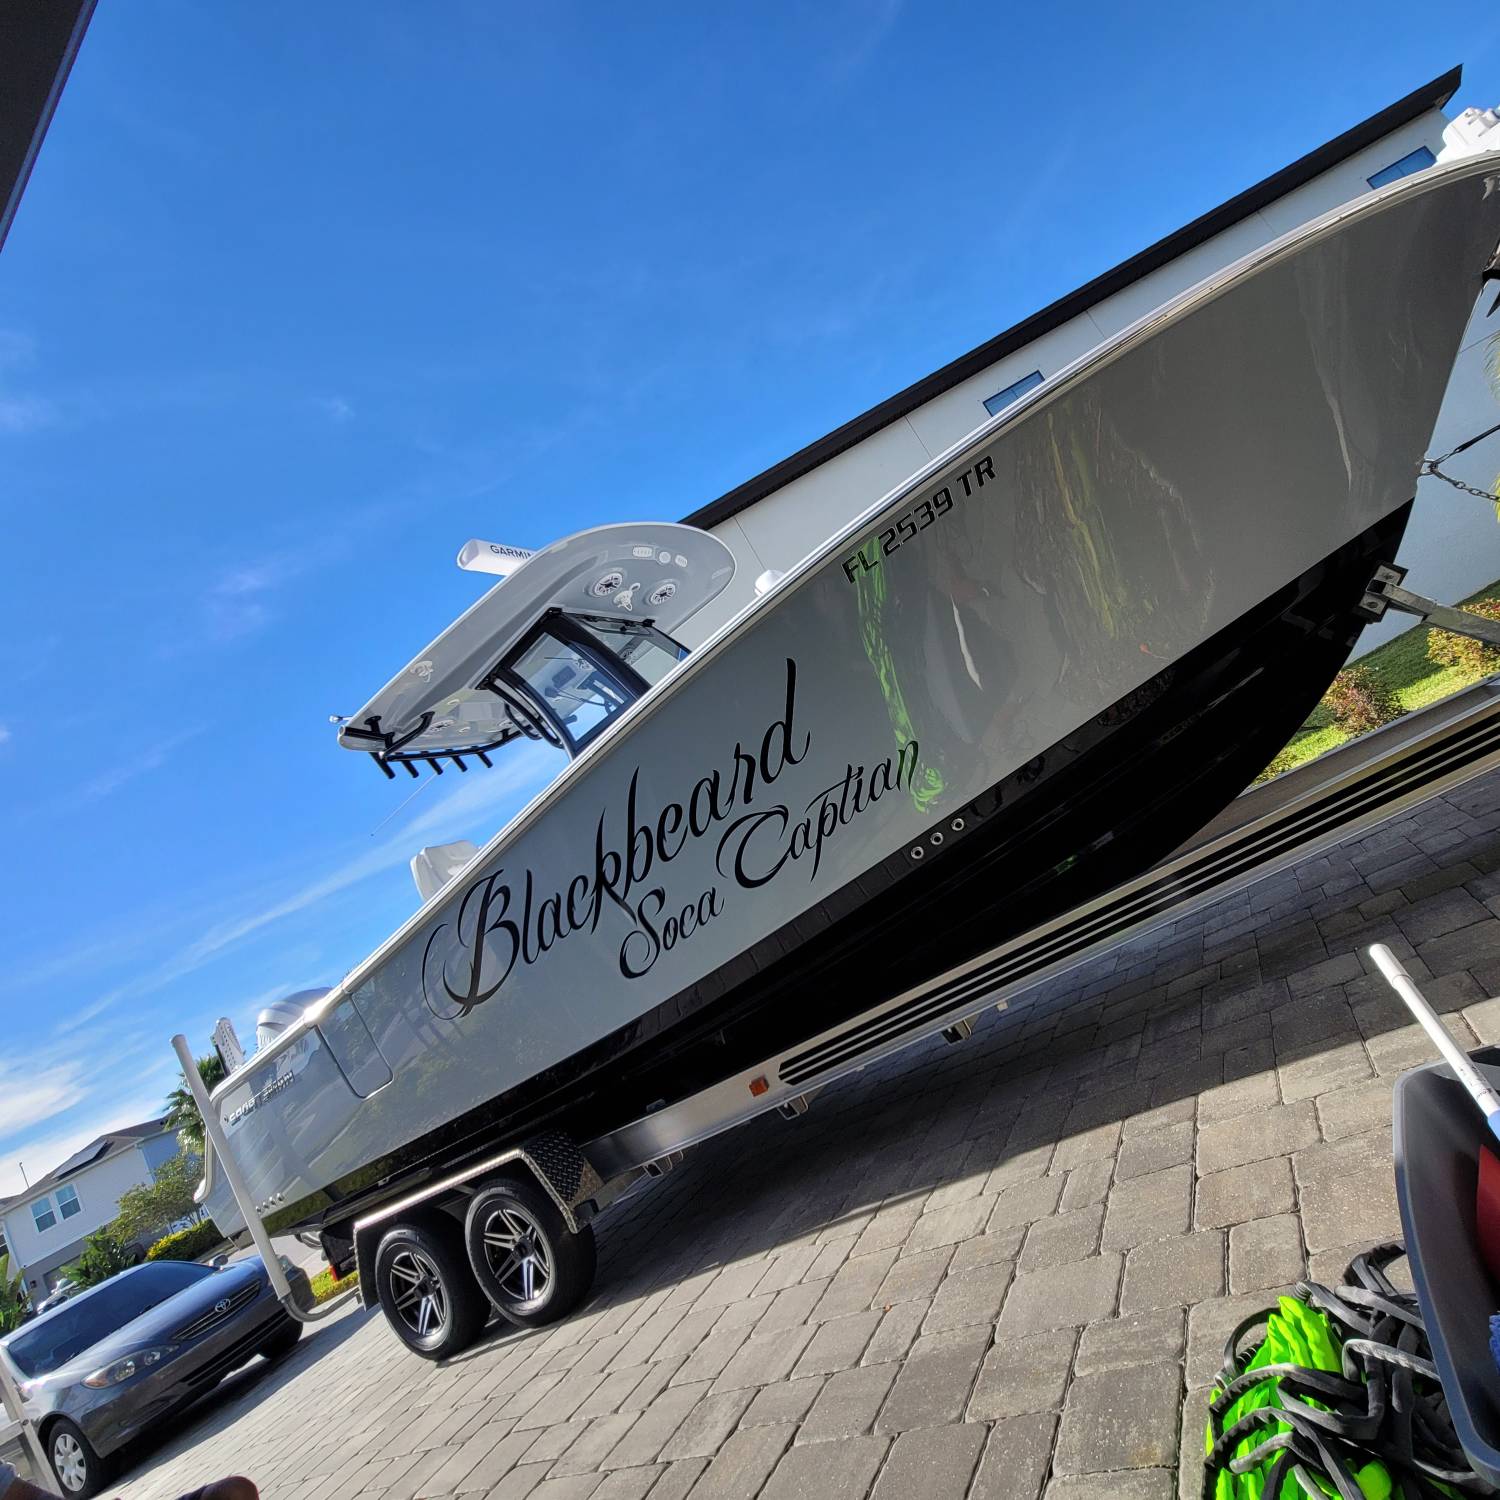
x,y
544,1192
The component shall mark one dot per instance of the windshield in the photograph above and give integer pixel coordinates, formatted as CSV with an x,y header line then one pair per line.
x,y
59,1336
582,698
648,653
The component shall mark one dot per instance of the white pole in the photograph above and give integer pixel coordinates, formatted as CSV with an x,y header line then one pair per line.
x,y
237,1185
10,1398
1456,1058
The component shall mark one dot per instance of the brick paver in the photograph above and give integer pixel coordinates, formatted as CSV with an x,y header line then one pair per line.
x,y
999,1269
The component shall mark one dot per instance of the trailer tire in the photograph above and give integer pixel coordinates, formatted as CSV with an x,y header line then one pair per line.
x,y
427,1290
531,1266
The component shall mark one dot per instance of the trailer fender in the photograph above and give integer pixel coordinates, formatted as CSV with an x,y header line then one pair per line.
x,y
553,1161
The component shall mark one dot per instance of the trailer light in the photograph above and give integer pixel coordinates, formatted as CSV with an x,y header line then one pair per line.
x,y
758,1086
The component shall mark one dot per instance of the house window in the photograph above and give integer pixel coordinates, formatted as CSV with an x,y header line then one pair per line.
x,y
67,1201
41,1212
1413,161
1001,399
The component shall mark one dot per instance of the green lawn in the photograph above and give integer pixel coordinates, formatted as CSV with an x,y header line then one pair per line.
x,y
324,1285
1400,665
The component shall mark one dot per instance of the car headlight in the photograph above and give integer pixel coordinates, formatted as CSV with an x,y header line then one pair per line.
x,y
125,1369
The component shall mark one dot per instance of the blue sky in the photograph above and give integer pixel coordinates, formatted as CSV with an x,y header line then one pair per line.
x,y
300,297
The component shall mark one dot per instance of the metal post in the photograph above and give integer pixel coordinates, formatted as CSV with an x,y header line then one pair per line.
x,y
214,1130
1454,1055
10,1398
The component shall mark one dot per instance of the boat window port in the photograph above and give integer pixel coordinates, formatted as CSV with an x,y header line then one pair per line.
x,y
1013,392
1413,161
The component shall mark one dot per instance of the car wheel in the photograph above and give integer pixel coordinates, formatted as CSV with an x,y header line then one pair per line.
x,y
427,1291
283,1341
80,1471
530,1264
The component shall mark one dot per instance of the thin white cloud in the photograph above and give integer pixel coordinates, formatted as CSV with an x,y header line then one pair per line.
x,y
260,578
70,1024
43,1151
882,17
335,408
22,660
30,1096
468,808
240,602
117,946
152,758
25,413
20,412
4,733
526,771
17,349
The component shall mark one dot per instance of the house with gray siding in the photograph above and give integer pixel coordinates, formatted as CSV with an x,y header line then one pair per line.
x,y
45,1226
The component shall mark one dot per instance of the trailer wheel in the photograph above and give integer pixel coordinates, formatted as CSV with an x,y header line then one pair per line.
x,y
427,1291
530,1264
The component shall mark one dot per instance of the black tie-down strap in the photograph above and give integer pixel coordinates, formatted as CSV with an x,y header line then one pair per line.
x,y
1386,1402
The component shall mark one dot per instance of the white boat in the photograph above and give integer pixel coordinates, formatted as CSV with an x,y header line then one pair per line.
x,y
1019,679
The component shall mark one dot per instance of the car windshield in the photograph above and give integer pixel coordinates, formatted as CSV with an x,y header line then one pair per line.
x,y
59,1336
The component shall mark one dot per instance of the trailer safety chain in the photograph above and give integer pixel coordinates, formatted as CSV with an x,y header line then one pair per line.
x,y
1433,466
1374,1401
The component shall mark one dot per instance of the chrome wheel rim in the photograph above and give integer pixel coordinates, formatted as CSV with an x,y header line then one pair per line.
x,y
517,1253
417,1292
67,1458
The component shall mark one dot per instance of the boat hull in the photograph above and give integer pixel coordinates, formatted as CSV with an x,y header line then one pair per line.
x,y
1031,672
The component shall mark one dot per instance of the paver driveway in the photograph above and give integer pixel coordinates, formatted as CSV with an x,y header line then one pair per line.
x,y
1001,1269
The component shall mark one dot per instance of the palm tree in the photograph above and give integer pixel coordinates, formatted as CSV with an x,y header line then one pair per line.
x,y
15,1306
182,1108
103,1256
